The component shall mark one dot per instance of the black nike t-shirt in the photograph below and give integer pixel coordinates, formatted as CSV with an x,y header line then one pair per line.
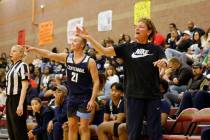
x,y
141,77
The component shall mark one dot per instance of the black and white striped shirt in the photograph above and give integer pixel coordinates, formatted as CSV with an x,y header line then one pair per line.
x,y
14,77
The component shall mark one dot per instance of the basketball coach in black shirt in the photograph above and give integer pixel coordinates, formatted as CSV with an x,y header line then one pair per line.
x,y
142,61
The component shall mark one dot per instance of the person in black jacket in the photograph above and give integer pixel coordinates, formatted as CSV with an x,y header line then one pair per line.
x,y
43,116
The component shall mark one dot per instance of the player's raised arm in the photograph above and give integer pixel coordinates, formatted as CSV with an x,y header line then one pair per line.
x,y
59,57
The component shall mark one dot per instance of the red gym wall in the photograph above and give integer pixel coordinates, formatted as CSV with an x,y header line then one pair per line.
x,y
17,14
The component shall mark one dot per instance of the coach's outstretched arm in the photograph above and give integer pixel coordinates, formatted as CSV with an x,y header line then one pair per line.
x,y
96,45
59,57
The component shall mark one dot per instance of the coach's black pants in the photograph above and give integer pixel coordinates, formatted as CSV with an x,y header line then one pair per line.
x,y
137,109
16,125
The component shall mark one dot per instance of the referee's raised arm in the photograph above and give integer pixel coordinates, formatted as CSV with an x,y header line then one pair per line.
x,y
59,57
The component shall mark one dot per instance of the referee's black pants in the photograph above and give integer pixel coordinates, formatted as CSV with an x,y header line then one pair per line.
x,y
16,124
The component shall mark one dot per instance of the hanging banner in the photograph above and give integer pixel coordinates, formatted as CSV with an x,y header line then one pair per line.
x,y
142,9
105,21
21,37
71,27
45,32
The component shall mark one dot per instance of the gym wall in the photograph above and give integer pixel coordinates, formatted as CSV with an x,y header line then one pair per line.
x,y
17,14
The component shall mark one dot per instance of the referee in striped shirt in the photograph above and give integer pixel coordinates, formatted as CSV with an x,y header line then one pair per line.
x,y
16,86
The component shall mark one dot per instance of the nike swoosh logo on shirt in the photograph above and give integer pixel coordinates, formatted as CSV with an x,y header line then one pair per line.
x,y
139,55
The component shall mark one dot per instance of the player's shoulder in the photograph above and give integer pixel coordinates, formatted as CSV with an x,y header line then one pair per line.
x,y
91,60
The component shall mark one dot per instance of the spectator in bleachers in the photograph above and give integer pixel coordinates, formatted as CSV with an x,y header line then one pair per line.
x,y
43,115
171,42
180,76
172,26
127,38
60,113
114,113
184,42
45,80
111,77
205,38
192,28
109,42
44,63
124,39
197,38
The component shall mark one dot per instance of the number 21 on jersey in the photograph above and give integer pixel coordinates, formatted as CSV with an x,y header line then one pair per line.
x,y
74,77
